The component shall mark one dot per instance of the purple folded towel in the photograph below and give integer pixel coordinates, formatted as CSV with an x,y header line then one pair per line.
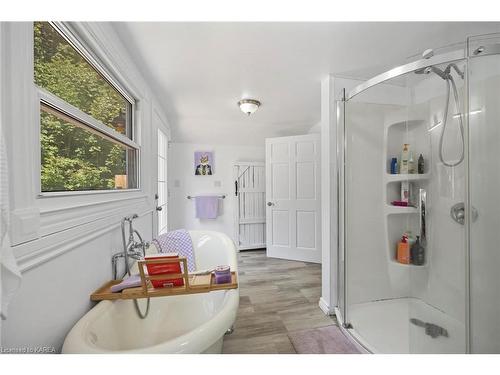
x,y
177,241
207,207
128,282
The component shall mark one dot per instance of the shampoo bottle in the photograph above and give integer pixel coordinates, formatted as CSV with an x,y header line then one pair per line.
x,y
421,164
394,166
403,251
411,164
405,156
417,253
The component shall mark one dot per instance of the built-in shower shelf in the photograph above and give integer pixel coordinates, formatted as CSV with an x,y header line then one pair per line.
x,y
406,177
394,210
407,124
395,262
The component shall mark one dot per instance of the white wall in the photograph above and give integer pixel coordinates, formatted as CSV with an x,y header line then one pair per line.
x,y
63,245
316,128
183,182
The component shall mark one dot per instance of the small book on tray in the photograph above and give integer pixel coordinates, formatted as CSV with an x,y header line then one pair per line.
x,y
164,268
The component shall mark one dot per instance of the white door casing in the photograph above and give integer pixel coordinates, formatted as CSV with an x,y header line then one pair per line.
x,y
160,216
293,200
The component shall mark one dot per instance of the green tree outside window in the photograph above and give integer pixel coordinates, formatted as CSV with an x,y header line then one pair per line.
x,y
74,158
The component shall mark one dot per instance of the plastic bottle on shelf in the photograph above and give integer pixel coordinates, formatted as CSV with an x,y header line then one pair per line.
x,y
403,251
410,238
411,164
405,156
406,192
394,166
421,165
417,253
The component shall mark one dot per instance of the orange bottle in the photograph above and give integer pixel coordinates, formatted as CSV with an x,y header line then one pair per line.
x,y
403,251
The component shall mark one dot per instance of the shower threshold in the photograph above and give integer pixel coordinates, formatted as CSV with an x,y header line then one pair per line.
x,y
384,326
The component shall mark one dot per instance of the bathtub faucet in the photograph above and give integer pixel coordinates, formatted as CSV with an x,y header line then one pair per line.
x,y
132,248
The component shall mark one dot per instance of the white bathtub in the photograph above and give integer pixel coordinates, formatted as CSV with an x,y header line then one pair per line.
x,y
179,324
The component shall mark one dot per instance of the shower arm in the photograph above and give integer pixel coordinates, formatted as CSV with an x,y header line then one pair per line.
x,y
454,66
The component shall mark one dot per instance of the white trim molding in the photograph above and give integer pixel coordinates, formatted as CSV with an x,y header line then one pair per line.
x,y
25,224
35,253
20,120
50,100
329,209
325,307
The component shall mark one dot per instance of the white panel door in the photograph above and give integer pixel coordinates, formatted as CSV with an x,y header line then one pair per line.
x,y
293,206
162,187
160,221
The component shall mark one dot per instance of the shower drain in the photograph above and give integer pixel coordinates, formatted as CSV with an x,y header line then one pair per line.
x,y
431,329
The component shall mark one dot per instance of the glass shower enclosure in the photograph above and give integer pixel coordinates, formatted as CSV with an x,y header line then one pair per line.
x,y
419,213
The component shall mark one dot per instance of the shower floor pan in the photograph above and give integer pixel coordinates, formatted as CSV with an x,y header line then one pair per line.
x,y
384,327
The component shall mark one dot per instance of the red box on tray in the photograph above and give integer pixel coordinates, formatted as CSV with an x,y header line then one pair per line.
x,y
164,268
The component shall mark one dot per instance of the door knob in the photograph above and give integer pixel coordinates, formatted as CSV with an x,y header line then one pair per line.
x,y
270,204
159,208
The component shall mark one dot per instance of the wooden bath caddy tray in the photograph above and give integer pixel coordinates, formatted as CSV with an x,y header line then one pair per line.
x,y
192,284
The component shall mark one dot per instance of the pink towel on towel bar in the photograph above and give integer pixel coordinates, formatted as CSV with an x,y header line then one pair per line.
x,y
207,207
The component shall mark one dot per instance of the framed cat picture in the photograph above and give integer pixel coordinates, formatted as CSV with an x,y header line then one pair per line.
x,y
203,163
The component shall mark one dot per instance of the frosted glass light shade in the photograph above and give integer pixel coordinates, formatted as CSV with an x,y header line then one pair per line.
x,y
249,106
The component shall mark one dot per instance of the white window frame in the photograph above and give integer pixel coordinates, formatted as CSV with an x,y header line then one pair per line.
x,y
40,223
60,105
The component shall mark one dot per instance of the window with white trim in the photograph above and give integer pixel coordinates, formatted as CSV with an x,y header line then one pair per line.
x,y
86,118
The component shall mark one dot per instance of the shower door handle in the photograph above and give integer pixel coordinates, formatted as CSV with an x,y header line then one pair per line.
x,y
457,213
422,208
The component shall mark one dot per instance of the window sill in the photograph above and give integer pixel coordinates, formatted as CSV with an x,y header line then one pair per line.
x,y
49,194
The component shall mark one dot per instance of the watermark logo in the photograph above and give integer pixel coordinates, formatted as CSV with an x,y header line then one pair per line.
x,y
28,350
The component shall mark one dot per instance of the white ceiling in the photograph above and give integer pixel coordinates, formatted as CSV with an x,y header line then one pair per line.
x,y
200,70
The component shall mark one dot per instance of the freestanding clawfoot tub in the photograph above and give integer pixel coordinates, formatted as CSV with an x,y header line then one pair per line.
x,y
193,323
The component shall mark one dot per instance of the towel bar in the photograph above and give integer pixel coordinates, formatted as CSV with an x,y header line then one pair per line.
x,y
218,196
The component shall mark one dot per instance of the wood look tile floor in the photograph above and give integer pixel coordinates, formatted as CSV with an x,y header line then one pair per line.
x,y
276,297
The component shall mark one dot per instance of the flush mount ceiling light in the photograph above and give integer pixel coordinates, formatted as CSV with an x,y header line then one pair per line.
x,y
248,106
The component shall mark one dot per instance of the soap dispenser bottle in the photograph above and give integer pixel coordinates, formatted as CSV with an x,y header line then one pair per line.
x,y
421,165
403,251
417,253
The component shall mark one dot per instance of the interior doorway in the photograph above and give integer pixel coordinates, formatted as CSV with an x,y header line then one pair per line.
x,y
293,198
250,212
162,186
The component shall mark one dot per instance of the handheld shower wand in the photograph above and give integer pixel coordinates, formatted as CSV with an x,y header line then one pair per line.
x,y
451,85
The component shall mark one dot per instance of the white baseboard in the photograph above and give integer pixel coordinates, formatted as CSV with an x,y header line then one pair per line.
x,y
325,307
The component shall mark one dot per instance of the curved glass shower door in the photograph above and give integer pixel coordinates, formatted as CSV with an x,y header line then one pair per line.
x,y
484,188
404,255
